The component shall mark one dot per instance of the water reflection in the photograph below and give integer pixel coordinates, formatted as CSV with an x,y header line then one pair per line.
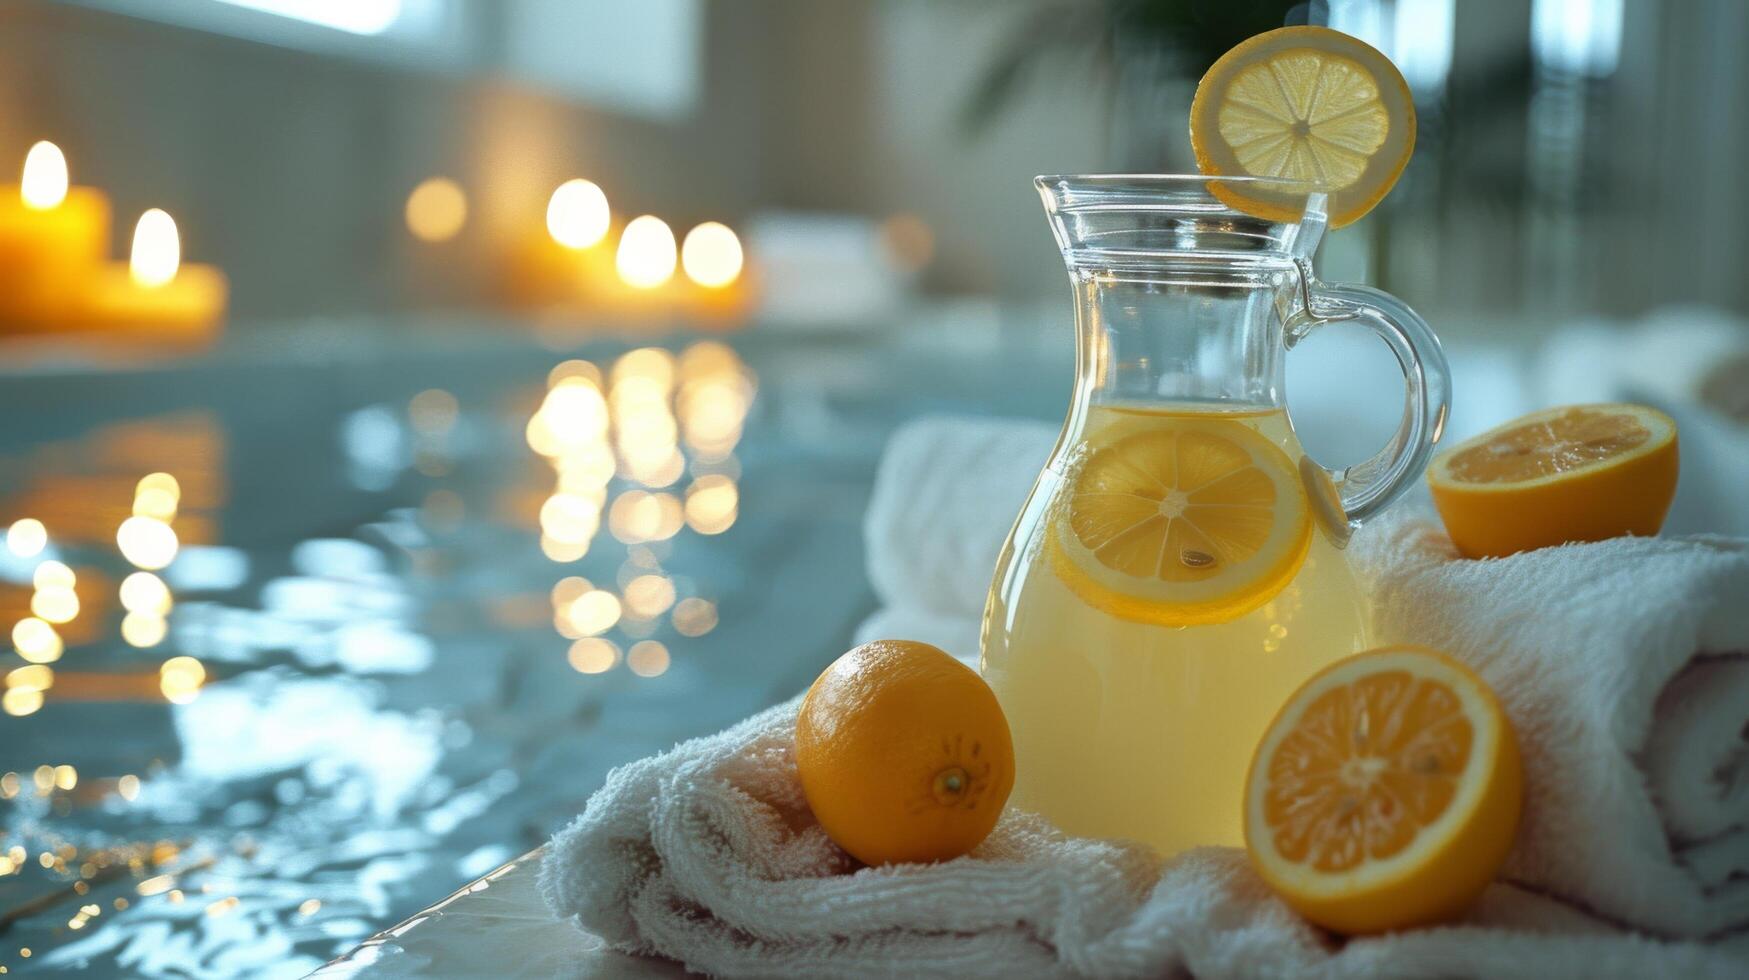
x,y
239,756
617,441
27,537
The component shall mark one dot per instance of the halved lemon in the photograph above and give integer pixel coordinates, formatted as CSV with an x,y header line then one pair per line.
x,y
1575,473
1303,104
1179,520
1386,793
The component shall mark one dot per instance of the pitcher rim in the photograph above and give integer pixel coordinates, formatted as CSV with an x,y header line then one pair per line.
x,y
1150,191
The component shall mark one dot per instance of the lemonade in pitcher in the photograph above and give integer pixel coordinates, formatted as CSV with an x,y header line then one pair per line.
x,y
1178,569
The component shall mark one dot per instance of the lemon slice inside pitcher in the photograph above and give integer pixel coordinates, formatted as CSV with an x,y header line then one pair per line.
x,y
1184,521
1308,105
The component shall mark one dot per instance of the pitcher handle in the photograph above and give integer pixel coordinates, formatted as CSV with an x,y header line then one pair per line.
x,y
1368,487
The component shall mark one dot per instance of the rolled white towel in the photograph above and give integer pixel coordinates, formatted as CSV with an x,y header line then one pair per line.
x,y
1621,664
945,496
1696,758
709,855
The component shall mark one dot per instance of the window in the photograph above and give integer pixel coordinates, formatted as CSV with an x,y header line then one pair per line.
x,y
641,57
352,16
428,33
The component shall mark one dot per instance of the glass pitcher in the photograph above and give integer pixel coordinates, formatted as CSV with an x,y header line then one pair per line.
x,y
1178,569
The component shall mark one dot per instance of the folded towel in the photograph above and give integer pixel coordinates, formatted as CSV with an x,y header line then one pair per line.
x,y
708,855
1622,665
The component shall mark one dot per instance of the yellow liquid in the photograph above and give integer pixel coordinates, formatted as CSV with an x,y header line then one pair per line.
x,y
1128,729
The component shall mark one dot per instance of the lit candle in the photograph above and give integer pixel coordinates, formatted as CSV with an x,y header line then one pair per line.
x,y
715,264
647,254
51,235
157,296
578,215
558,267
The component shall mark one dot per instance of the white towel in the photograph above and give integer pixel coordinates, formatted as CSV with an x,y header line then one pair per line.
x,y
1639,774
1622,665
945,496
708,855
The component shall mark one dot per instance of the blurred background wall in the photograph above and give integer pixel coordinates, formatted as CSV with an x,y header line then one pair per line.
x,y
291,162
1575,155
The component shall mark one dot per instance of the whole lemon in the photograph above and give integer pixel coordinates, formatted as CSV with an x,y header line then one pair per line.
x,y
903,753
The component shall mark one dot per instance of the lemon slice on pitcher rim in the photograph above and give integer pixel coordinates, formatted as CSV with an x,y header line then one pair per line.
x,y
1308,105
1180,521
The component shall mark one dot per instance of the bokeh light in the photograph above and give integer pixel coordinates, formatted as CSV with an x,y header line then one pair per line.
x,y
53,575
181,678
24,695
36,641
647,658
572,418
160,482
570,519
576,368
563,552
157,252
592,613
649,596
593,655
712,503
55,605
637,516
715,394
568,589
694,616
647,253
38,677
44,182
144,629
143,592
147,542
27,537
157,495
577,214
20,701
436,210
711,255
633,421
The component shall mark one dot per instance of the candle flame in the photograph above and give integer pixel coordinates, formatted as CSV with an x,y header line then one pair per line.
x,y
712,255
646,252
577,215
45,177
157,249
